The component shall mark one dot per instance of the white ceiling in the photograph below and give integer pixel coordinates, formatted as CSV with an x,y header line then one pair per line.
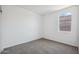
x,y
42,9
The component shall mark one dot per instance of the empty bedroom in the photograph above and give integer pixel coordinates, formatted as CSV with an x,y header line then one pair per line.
x,y
39,29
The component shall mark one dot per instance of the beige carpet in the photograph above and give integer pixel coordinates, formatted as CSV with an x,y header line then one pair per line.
x,y
41,46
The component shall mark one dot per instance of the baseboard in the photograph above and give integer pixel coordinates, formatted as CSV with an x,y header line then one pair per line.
x,y
21,43
41,38
60,42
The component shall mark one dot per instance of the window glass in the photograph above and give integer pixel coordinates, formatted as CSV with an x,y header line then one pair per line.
x,y
65,21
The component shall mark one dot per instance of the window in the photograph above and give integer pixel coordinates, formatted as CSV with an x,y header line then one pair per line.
x,y
65,21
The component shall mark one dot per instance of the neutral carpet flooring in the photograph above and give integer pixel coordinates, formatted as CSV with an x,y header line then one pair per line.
x,y
41,46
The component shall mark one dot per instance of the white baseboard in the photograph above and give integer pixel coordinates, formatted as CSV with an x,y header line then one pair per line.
x,y
60,41
20,43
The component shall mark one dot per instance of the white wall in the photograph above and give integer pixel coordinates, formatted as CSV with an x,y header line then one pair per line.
x,y
0,33
51,27
19,26
78,27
